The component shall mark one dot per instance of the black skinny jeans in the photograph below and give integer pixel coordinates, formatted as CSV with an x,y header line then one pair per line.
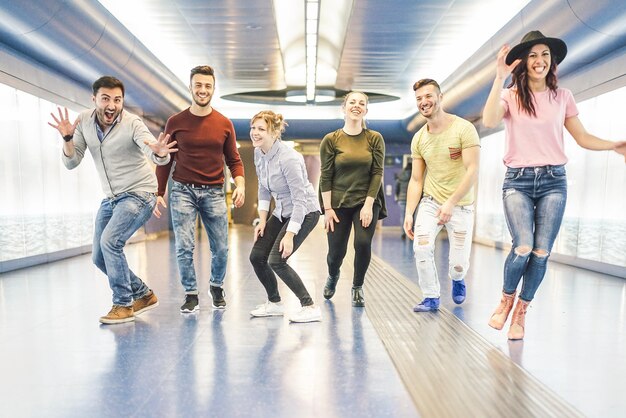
x,y
338,242
266,259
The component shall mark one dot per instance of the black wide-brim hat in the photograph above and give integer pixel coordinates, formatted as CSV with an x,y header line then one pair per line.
x,y
558,49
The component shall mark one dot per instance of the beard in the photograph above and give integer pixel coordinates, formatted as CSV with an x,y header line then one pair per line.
x,y
100,113
201,104
430,112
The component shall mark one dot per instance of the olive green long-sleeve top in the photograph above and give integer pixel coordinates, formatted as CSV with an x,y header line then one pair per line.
x,y
352,168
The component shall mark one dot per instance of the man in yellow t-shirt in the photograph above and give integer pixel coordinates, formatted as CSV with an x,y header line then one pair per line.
x,y
445,155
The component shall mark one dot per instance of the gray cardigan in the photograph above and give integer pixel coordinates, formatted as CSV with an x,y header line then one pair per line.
x,y
121,157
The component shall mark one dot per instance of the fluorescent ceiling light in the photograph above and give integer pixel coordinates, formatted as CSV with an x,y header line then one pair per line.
x,y
312,10
312,14
291,38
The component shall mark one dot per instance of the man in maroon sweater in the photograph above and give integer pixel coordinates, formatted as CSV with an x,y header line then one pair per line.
x,y
206,139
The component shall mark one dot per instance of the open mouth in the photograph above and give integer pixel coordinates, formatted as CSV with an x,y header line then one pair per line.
x,y
109,115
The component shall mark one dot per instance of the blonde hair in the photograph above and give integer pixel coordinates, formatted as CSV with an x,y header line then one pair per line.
x,y
275,122
367,100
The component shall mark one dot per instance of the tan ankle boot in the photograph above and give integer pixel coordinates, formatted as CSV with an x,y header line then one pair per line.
x,y
501,314
516,332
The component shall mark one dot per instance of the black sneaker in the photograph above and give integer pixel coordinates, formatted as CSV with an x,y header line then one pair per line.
x,y
217,293
358,298
331,284
190,305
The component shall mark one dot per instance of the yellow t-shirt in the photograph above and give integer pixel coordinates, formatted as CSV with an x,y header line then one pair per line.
x,y
442,154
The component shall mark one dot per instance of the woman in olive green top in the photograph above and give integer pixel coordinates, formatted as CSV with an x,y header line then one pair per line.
x,y
351,190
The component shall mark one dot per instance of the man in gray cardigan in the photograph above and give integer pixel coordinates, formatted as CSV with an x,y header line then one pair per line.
x,y
120,144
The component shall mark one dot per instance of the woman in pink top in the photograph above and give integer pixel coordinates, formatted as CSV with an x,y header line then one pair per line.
x,y
534,110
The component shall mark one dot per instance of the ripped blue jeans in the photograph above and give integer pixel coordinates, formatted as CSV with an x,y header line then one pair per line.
x,y
534,202
459,228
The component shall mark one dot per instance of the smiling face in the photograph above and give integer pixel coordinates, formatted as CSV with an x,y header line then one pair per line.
x,y
260,135
428,100
202,88
538,62
109,104
355,106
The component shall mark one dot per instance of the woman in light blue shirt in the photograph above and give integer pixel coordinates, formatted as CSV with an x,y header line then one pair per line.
x,y
282,176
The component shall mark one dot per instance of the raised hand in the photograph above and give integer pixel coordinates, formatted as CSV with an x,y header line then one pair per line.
x,y
161,148
63,124
503,70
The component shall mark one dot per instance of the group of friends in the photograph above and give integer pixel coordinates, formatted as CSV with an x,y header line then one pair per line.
x,y
445,161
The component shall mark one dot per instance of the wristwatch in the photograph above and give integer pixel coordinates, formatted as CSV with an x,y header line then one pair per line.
x,y
68,138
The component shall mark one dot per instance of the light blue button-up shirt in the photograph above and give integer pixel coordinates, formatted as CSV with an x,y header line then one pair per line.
x,y
282,175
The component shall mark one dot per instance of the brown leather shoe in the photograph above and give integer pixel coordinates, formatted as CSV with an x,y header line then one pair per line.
x,y
145,303
516,332
501,313
118,315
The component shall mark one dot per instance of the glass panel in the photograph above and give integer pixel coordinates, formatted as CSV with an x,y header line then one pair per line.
x,y
11,213
594,225
46,208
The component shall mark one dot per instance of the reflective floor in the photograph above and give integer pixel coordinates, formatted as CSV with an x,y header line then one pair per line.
x,y
575,339
57,361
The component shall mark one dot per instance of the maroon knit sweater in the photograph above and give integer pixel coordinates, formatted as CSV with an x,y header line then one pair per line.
x,y
204,143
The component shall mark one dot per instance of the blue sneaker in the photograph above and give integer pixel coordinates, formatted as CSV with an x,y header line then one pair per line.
x,y
458,291
427,305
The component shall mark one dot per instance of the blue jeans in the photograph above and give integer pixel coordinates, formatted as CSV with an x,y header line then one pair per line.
x,y
117,220
266,258
534,202
186,202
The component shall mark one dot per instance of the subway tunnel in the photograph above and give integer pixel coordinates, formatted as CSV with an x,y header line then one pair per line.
x,y
300,59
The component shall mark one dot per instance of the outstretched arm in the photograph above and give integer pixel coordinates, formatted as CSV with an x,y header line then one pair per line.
x,y
591,142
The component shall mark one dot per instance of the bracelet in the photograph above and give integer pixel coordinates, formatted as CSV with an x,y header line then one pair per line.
x,y
68,138
329,209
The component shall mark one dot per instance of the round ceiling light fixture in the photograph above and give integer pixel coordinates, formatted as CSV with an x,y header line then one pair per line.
x,y
297,97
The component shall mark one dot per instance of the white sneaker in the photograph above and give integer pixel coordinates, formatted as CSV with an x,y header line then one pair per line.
x,y
268,309
310,313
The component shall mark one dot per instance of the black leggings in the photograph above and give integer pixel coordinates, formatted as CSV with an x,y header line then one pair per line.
x,y
267,259
338,242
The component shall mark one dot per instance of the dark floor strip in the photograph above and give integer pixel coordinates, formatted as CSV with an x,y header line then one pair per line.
x,y
450,370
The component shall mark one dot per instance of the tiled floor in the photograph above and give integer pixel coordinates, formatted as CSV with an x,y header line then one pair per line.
x,y
57,361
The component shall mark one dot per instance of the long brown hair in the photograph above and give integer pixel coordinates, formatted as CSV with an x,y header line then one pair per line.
x,y
519,80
